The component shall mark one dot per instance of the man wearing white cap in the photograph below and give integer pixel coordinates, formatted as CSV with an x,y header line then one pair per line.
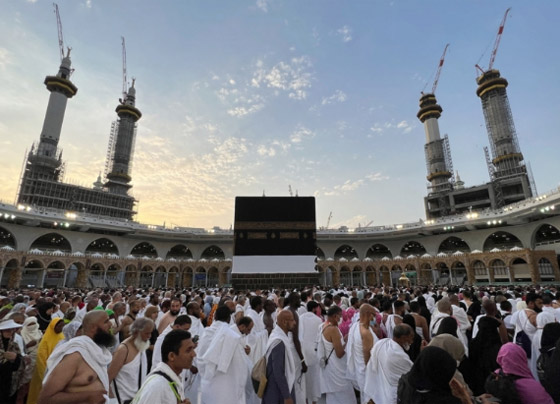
x,y
11,361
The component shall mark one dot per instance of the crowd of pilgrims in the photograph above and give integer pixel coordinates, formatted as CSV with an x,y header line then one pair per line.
x,y
376,345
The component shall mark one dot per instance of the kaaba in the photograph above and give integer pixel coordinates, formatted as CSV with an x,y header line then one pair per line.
x,y
275,242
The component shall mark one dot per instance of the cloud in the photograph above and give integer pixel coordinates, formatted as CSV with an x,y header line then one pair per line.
x,y
345,33
406,128
88,3
266,151
262,5
373,177
338,96
301,133
379,128
293,77
351,185
5,58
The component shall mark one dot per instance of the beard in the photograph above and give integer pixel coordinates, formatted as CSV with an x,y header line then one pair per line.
x,y
140,344
174,313
104,339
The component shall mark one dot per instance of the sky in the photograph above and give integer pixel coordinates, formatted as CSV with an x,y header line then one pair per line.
x,y
245,97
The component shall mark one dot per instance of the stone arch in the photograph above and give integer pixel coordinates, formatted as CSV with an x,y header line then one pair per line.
x,y
358,276
200,277
501,240
52,242
146,276
9,274
213,277
458,273
481,273
144,249
213,252
452,244
520,269
179,252
385,275
378,251
54,274
102,245
173,278
425,274
225,276
546,234
371,276
7,238
412,248
131,277
320,254
546,270
160,277
345,276
187,277
499,270
76,272
33,273
345,251
396,271
442,273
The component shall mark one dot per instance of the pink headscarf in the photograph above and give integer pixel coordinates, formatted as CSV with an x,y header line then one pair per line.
x,y
513,361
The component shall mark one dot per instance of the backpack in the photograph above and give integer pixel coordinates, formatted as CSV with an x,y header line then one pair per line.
x,y
503,387
258,376
542,362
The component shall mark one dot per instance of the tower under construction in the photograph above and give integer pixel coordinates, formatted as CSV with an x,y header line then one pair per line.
x,y
507,169
42,183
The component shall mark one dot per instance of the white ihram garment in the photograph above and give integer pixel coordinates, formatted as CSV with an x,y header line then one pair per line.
x,y
225,368
127,378
309,332
356,364
333,376
388,362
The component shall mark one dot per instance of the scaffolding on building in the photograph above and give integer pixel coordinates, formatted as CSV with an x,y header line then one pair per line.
x,y
110,149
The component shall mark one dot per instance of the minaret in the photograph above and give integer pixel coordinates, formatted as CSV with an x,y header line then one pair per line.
x,y
120,160
506,155
61,89
438,159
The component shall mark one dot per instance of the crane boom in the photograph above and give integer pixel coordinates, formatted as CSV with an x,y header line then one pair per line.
x,y
497,41
436,80
124,68
59,27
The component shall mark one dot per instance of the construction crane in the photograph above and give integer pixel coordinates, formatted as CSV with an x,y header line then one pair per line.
x,y
438,72
496,44
290,190
329,220
59,27
124,89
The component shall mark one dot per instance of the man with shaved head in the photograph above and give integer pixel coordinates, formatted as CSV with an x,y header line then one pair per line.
x,y
443,310
360,341
280,366
77,370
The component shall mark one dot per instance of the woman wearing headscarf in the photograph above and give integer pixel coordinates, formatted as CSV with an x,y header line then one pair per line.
x,y
429,380
52,336
448,326
512,360
543,318
44,312
11,362
416,345
454,347
31,338
484,348
550,345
